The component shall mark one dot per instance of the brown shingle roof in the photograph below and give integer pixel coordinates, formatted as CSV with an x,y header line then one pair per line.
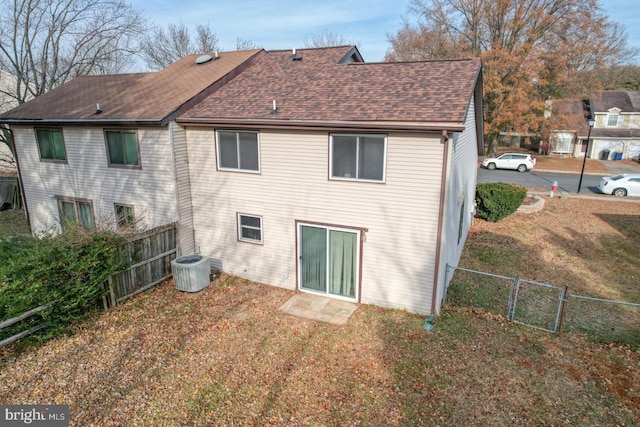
x,y
568,115
140,97
320,91
625,100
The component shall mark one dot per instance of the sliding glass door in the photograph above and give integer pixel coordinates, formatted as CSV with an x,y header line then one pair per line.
x,y
329,260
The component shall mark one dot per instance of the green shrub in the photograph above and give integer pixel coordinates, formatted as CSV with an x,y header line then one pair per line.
x,y
70,269
497,200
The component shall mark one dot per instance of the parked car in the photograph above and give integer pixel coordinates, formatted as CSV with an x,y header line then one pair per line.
x,y
626,184
517,161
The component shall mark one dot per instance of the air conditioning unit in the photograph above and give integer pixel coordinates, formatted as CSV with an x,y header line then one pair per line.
x,y
191,272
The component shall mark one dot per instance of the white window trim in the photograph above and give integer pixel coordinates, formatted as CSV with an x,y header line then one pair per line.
x,y
384,158
240,227
238,169
617,120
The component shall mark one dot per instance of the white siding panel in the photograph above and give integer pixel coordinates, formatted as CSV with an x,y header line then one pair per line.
x,y
151,190
400,215
186,239
460,190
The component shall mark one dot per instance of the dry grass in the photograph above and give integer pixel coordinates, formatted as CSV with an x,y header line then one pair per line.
x,y
228,356
568,164
591,246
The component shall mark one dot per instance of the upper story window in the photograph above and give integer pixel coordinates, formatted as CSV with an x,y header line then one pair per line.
x,y
612,120
238,151
122,148
358,157
73,211
51,144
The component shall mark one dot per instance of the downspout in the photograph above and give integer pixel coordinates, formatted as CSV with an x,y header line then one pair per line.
x,y
20,184
443,181
175,183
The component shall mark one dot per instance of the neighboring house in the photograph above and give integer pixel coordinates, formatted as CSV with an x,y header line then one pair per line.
x,y
617,125
99,149
567,119
308,170
616,130
318,172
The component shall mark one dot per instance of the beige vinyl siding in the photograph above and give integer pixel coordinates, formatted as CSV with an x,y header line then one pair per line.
x,y
151,189
186,241
460,189
400,215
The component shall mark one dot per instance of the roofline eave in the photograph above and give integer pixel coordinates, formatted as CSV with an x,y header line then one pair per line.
x,y
323,124
86,122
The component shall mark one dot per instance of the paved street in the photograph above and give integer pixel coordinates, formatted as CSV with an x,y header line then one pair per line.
x,y
567,182
541,179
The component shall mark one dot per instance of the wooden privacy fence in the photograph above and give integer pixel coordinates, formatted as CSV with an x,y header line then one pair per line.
x,y
149,257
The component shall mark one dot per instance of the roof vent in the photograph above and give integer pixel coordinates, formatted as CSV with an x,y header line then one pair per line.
x,y
203,59
294,56
98,109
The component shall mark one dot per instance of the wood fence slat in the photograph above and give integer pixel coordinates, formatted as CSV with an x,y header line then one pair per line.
x,y
24,315
16,337
145,249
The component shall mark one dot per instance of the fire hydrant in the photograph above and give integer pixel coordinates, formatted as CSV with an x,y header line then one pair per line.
x,y
554,188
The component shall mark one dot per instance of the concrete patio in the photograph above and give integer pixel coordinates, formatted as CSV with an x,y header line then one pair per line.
x,y
320,308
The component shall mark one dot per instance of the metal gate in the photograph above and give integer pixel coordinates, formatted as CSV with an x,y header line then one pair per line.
x,y
537,305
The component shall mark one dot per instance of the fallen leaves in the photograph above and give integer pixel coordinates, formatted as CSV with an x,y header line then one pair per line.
x,y
228,356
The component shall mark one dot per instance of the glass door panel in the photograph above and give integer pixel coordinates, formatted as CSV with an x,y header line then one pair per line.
x,y
342,263
313,258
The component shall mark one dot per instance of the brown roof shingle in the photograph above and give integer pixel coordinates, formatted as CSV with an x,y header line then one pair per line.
x,y
318,90
138,97
627,101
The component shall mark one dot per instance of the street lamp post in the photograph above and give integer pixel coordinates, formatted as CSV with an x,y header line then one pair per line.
x,y
586,151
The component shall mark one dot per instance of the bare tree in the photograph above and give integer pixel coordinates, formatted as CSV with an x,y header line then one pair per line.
x,y
244,44
531,50
164,47
325,38
45,43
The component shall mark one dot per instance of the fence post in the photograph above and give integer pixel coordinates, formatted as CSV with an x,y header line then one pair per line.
x,y
512,297
563,304
112,293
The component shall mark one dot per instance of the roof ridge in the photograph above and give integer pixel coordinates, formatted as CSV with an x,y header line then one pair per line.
x,y
312,48
420,61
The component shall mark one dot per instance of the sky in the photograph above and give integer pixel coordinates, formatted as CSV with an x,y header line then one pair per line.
x,y
285,24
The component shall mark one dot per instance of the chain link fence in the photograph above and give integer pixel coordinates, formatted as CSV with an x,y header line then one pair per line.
x,y
544,306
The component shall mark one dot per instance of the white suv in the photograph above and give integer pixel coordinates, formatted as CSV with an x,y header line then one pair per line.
x,y
516,161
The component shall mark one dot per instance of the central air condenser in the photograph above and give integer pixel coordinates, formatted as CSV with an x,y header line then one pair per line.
x,y
191,273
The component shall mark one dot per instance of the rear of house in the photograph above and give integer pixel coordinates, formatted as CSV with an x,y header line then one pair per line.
x,y
344,179
99,150
310,170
